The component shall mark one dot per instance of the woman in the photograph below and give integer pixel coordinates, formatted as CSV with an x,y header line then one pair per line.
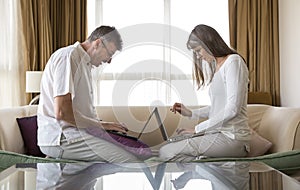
x,y
226,130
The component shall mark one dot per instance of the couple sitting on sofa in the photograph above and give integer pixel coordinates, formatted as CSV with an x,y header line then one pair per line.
x,y
65,109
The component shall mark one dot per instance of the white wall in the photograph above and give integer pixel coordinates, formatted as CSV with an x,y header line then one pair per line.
x,y
289,38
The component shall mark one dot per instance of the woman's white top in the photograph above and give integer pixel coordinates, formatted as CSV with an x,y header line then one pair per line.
x,y
228,94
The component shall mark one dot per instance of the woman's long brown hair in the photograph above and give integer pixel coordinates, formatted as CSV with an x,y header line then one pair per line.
x,y
209,39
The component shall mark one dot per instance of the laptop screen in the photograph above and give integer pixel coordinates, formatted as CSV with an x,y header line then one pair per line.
x,y
159,122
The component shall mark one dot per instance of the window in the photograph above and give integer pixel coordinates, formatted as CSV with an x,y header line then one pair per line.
x,y
155,67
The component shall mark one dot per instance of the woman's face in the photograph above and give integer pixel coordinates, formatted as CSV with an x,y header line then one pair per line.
x,y
201,53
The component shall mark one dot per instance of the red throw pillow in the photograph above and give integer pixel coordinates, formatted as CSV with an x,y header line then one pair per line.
x,y
28,128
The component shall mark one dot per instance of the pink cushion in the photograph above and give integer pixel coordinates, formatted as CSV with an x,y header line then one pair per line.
x,y
137,147
258,145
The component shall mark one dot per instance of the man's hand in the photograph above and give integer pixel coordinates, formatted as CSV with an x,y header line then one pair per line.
x,y
111,126
180,108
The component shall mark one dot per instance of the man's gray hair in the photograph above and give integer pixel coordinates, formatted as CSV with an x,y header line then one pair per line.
x,y
107,34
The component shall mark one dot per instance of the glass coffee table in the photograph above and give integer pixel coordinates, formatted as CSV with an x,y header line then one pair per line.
x,y
136,176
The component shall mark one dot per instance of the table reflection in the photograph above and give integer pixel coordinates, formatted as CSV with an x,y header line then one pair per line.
x,y
228,175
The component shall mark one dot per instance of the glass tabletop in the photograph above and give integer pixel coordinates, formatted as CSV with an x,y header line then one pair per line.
x,y
137,176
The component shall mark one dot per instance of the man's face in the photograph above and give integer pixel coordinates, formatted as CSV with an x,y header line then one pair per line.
x,y
103,53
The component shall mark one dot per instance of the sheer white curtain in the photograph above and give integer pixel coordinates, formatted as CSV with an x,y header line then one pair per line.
x,y
12,76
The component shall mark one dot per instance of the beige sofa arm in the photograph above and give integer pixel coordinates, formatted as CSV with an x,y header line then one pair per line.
x,y
280,125
10,135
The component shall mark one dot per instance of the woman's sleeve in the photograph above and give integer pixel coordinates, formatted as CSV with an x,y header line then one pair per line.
x,y
200,113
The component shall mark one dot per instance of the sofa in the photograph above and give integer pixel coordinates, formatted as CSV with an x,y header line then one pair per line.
x,y
276,125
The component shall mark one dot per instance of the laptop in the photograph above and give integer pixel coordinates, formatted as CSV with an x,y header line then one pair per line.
x,y
162,130
141,132
178,137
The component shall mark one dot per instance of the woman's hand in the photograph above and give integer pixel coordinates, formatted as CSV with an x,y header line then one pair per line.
x,y
111,126
181,131
180,108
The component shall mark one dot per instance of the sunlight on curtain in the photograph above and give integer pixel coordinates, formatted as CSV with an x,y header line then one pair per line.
x,y
254,33
12,79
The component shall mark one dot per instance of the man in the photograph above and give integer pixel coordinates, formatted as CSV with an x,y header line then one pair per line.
x,y
66,101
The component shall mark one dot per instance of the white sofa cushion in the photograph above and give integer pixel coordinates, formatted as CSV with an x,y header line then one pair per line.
x,y
279,125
